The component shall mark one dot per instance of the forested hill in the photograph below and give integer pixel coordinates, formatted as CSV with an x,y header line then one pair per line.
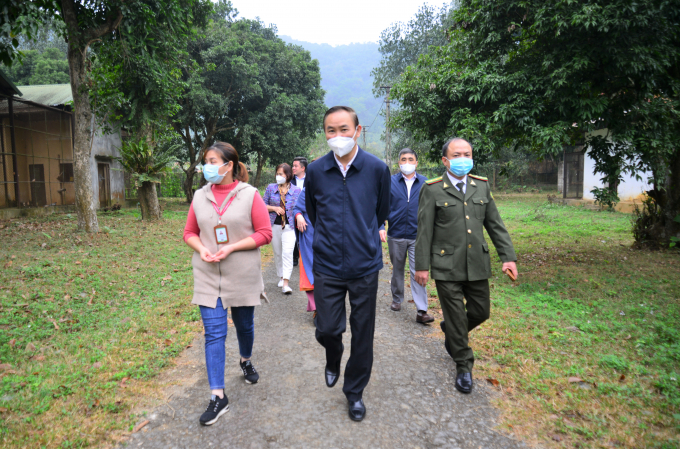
x,y
346,78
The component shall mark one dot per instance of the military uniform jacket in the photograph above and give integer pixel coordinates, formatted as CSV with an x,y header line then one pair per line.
x,y
450,238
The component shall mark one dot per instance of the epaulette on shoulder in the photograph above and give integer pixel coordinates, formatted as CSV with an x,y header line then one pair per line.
x,y
433,180
481,178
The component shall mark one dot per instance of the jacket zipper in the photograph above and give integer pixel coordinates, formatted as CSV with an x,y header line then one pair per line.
x,y
344,210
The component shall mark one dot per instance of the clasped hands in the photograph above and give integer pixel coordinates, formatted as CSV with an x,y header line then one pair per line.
x,y
422,276
221,254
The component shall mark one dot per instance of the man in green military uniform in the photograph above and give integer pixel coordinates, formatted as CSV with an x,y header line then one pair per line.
x,y
453,211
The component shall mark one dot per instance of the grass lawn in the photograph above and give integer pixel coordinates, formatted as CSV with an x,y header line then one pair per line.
x,y
584,348
87,321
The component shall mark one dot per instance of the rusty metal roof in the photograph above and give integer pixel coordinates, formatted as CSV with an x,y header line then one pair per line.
x,y
47,94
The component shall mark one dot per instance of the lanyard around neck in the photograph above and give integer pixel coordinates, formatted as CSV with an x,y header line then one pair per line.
x,y
221,212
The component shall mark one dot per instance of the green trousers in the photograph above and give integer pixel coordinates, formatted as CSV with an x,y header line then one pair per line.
x,y
466,305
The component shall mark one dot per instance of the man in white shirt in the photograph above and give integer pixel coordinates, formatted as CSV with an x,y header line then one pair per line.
x,y
299,171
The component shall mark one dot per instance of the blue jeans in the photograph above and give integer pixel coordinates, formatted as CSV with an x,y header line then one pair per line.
x,y
215,325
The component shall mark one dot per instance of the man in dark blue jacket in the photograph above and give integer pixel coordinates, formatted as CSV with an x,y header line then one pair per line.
x,y
347,194
402,231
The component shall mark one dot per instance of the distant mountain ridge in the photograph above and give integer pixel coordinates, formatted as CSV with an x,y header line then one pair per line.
x,y
346,78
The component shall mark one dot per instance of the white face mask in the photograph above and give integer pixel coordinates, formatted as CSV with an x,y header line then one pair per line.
x,y
342,146
280,179
407,169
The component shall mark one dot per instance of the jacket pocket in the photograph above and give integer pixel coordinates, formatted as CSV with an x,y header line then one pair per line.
x,y
487,258
441,257
444,210
480,208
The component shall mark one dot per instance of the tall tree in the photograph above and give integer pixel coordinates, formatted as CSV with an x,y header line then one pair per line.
x,y
220,77
401,44
544,73
280,122
243,72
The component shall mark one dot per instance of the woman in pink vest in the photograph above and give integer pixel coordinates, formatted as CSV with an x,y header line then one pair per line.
x,y
227,223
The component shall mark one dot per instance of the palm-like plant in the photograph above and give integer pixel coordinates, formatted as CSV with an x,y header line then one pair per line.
x,y
146,161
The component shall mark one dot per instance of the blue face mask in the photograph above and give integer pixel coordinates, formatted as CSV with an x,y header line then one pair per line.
x,y
460,166
210,173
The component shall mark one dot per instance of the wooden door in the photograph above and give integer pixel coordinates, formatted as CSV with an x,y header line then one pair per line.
x,y
36,173
104,185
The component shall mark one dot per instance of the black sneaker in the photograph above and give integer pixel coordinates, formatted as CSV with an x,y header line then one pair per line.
x,y
217,407
249,372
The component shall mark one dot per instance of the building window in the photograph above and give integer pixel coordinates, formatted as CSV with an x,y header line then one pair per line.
x,y
65,173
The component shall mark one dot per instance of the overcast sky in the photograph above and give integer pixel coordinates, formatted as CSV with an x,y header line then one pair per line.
x,y
335,23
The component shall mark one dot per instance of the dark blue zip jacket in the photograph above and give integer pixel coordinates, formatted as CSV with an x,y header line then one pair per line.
x,y
403,219
346,214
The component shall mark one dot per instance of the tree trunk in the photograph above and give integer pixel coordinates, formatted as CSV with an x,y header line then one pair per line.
x,y
260,165
148,194
82,141
188,184
148,201
78,42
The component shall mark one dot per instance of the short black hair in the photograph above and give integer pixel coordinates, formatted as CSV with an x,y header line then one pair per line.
x,y
351,111
302,160
445,148
408,151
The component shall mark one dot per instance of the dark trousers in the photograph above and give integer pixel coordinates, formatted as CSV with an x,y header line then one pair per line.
x,y
329,296
461,316
296,249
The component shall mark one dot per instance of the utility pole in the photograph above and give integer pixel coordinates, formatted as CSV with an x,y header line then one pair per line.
x,y
388,143
364,130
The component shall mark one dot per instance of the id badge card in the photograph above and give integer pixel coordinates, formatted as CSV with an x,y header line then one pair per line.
x,y
221,234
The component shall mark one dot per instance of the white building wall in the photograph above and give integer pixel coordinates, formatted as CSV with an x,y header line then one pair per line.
x,y
629,188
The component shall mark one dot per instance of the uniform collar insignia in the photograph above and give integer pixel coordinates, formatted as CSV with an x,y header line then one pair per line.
x,y
445,185
472,183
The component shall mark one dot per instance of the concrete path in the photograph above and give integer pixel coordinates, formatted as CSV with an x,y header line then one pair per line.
x,y
411,400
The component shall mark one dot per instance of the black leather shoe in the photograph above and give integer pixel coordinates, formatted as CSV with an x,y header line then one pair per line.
x,y
464,382
357,410
446,342
332,375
